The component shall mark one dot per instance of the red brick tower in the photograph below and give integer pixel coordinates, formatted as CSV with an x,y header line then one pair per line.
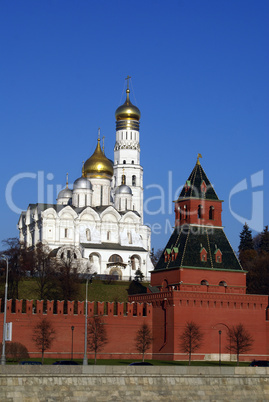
x,y
199,278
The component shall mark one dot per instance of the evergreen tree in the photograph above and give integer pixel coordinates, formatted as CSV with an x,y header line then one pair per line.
x,y
264,241
246,241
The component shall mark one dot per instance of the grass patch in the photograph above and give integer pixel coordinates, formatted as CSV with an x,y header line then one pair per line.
x,y
97,291
122,362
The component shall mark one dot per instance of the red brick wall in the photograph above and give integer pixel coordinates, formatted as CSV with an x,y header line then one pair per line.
x,y
121,327
191,280
212,312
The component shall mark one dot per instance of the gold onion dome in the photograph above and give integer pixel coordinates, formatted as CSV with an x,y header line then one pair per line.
x,y
127,110
98,166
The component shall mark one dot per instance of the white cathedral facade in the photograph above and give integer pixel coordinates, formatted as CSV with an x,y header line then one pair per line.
x,y
99,223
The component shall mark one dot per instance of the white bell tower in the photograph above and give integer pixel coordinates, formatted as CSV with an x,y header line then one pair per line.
x,y
127,168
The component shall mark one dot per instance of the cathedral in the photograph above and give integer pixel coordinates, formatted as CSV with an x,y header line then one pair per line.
x,y
99,223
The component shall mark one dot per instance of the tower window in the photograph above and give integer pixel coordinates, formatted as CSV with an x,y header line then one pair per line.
x,y
185,212
211,213
123,179
129,237
108,236
65,232
200,211
101,195
203,255
133,180
132,162
68,254
88,234
124,162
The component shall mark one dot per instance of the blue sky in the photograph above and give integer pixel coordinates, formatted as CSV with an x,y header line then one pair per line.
x,y
200,78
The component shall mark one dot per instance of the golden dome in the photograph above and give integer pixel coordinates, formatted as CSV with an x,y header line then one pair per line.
x,y
127,110
98,165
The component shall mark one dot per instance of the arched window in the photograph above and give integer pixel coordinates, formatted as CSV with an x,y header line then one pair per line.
x,y
134,180
129,237
65,232
222,283
88,234
204,282
108,235
211,213
200,211
75,256
115,258
124,162
185,212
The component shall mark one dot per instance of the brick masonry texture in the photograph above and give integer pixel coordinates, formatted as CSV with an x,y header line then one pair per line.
x,y
115,383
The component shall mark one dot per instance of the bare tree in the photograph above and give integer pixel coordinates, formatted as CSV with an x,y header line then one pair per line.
x,y
143,339
15,254
44,271
239,340
68,278
97,335
155,256
43,336
191,339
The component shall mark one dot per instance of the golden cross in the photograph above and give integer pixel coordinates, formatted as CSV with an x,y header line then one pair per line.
x,y
127,78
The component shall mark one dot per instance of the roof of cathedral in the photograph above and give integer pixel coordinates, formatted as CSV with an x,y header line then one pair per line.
x,y
123,189
188,241
59,207
82,183
65,193
98,165
112,246
198,185
127,110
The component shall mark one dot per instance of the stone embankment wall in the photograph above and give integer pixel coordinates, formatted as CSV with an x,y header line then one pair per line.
x,y
115,383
